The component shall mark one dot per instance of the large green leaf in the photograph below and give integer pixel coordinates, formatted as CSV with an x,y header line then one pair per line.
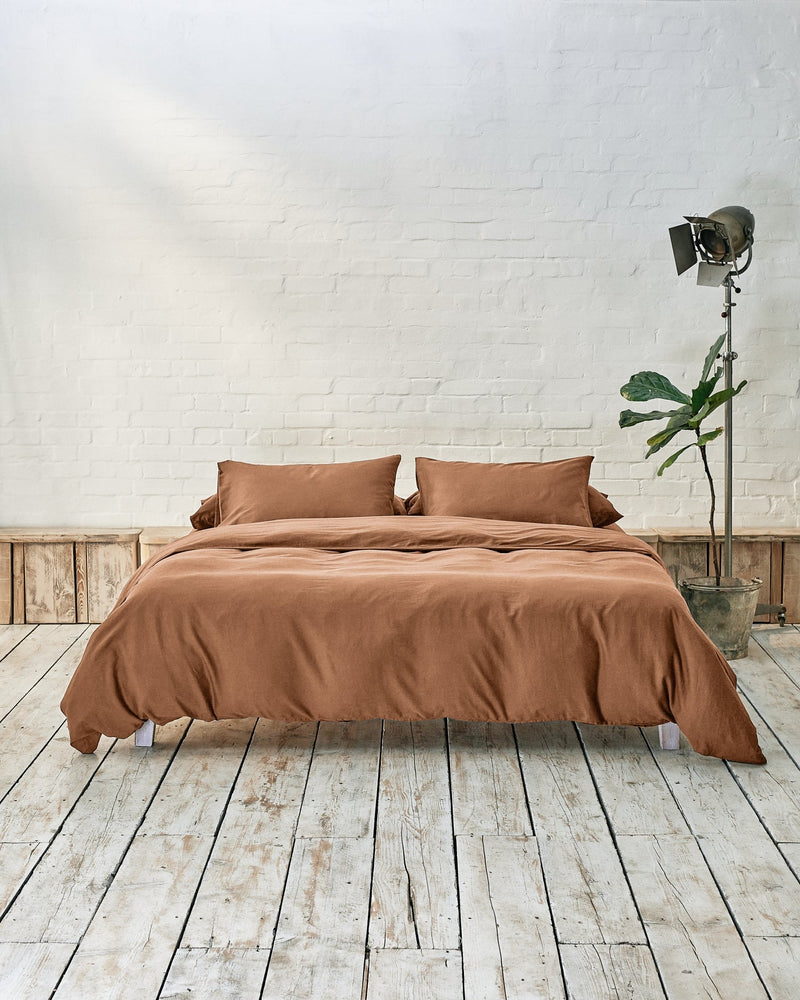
x,y
651,385
710,436
703,390
630,417
711,357
671,460
718,398
661,440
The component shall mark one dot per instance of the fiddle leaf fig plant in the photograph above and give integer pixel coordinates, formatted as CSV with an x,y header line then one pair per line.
x,y
694,408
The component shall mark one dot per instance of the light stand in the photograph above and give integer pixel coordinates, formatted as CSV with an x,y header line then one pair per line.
x,y
727,367
716,242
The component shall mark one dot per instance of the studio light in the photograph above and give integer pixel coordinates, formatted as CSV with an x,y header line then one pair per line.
x,y
717,241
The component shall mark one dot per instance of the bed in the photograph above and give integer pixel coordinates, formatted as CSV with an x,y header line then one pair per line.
x,y
406,617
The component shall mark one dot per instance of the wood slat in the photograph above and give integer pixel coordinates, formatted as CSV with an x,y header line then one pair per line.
x,y
632,789
136,929
773,692
11,636
108,568
6,585
32,812
414,897
320,942
744,860
25,664
24,967
791,579
754,559
774,789
193,798
18,583
81,583
32,722
81,861
508,947
684,559
49,582
130,942
215,974
414,975
696,945
783,646
621,971
589,897
486,784
252,851
61,535
342,785
778,962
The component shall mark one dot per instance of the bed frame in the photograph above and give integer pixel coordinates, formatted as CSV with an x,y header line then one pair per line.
x,y
669,735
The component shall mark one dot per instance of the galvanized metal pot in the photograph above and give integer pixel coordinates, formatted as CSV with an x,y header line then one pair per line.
x,y
725,612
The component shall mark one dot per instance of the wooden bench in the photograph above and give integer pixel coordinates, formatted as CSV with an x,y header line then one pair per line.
x,y
63,575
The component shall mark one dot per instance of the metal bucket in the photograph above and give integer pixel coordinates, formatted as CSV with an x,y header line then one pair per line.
x,y
724,613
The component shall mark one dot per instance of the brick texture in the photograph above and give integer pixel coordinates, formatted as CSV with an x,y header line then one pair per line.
x,y
320,231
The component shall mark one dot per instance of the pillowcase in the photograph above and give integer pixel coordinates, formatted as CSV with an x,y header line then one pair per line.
x,y
602,510
249,493
542,492
207,514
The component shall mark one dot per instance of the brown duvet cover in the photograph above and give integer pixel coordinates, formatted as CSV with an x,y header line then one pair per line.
x,y
406,618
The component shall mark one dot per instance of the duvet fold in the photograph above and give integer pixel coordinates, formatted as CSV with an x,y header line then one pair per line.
x,y
406,618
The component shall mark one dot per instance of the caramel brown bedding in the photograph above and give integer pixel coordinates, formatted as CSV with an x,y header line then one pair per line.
x,y
406,618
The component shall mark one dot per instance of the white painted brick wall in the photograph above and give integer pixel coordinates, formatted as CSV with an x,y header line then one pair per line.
x,y
319,231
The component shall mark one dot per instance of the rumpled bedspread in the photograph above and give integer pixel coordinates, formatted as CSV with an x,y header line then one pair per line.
x,y
406,618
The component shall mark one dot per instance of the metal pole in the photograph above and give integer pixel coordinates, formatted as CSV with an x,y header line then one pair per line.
x,y
728,358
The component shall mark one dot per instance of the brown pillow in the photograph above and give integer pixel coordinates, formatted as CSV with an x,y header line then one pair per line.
x,y
602,510
543,492
206,514
250,493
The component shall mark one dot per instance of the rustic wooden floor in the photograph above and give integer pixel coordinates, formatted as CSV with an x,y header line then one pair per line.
x,y
354,860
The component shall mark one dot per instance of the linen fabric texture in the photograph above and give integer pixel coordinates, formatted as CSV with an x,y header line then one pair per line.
x,y
539,492
248,493
407,618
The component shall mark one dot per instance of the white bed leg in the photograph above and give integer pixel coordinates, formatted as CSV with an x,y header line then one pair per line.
x,y
143,737
669,736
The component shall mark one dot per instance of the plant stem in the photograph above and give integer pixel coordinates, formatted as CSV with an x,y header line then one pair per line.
x,y
714,547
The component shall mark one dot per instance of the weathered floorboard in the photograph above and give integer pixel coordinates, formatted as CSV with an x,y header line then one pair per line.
x,y
127,957
744,860
590,899
486,784
215,974
251,855
339,799
414,898
321,938
11,636
408,974
696,945
30,660
81,862
508,945
621,971
778,961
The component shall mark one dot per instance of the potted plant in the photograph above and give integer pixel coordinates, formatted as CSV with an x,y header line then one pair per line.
x,y
723,606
